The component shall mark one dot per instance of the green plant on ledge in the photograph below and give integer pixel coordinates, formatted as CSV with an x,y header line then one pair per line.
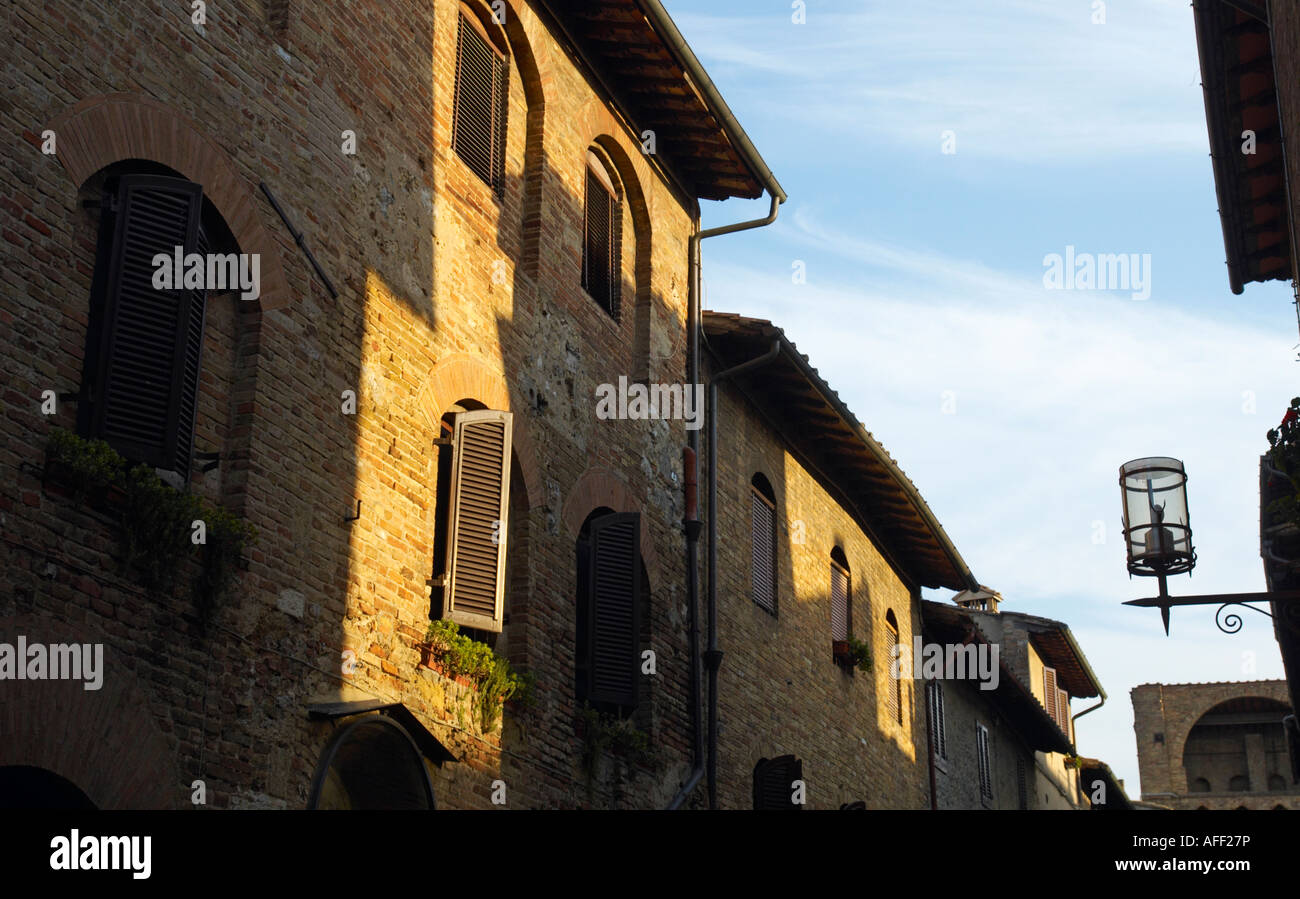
x,y
603,732
492,675
859,654
156,535
1284,457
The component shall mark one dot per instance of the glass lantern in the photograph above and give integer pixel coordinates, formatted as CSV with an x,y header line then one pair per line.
x,y
1157,531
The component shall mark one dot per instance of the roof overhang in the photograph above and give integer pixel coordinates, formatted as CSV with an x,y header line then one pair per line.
x,y
815,420
1091,770
640,58
1236,55
1058,649
429,745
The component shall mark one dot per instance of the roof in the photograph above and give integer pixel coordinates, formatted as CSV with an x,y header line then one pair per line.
x,y
952,624
883,500
1058,649
1095,769
639,56
1240,95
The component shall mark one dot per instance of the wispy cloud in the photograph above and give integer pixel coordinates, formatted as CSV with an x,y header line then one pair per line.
x,y
1019,81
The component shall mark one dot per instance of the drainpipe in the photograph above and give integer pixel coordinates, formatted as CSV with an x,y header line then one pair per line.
x,y
692,523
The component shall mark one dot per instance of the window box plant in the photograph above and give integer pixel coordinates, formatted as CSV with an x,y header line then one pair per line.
x,y
851,654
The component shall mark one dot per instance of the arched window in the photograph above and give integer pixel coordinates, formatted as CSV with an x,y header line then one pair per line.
x,y
479,106
763,543
471,537
161,250
602,271
1276,783
1239,783
611,580
371,763
895,691
1199,785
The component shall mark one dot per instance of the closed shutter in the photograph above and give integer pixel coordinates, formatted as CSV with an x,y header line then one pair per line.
x,y
143,375
840,600
480,507
601,245
938,726
985,768
613,620
479,115
1022,785
1063,711
763,556
774,781
1049,692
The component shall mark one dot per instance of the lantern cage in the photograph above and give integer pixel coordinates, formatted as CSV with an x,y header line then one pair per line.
x,y
1157,531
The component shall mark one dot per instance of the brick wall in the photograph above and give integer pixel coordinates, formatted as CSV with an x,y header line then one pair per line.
x,y
444,294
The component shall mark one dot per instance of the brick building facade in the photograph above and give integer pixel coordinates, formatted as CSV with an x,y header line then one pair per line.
x,y
451,288
1214,746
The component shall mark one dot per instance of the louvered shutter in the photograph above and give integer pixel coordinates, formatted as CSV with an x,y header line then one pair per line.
x,y
774,783
480,497
144,379
985,768
839,603
936,717
1022,786
479,113
763,553
601,244
1049,692
613,619
1063,711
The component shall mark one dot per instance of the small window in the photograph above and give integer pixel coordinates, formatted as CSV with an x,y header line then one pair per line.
x,y
985,763
1199,785
896,689
601,239
610,585
778,784
1239,784
763,543
938,727
474,505
142,362
1022,785
479,105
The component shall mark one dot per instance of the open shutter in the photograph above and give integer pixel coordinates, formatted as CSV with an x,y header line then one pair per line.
x,y
839,603
1049,693
763,555
614,619
936,717
144,377
985,768
1063,711
480,498
774,783
479,114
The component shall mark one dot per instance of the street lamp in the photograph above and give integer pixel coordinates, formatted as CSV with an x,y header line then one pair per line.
x,y
1158,539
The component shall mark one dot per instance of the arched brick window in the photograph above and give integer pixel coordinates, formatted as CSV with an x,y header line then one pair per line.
x,y
480,102
602,270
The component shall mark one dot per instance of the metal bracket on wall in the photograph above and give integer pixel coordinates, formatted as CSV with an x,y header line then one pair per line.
x,y
355,517
213,460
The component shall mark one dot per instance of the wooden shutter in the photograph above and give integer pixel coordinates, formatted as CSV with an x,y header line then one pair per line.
x,y
613,620
1063,711
480,499
985,768
840,600
1049,692
763,554
774,783
601,244
1022,785
143,376
938,725
479,113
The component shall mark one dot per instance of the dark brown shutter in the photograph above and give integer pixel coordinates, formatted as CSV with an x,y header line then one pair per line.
x,y
1063,711
613,620
480,499
763,553
144,379
985,768
1049,693
839,603
479,105
1022,786
937,724
774,783
601,245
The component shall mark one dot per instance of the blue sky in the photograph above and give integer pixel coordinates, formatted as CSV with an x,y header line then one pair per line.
x,y
924,287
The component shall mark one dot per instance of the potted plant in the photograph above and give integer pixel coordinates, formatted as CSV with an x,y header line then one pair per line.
x,y
852,653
